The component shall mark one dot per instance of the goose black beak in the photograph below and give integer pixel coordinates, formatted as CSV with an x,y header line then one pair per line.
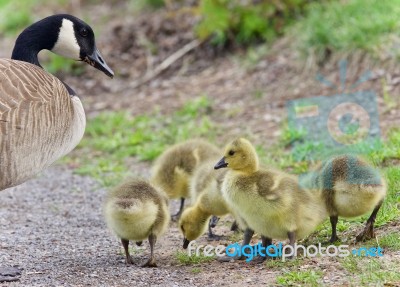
x,y
96,60
185,243
221,164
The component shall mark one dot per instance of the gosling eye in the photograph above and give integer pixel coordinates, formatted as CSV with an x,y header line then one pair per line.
x,y
183,230
231,152
84,32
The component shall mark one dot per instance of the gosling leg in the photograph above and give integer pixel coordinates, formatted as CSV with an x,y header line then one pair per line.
x,y
178,214
248,234
292,241
334,221
265,241
368,231
234,226
212,223
125,243
151,262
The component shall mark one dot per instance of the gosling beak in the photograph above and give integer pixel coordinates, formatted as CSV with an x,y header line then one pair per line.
x,y
221,164
185,243
96,60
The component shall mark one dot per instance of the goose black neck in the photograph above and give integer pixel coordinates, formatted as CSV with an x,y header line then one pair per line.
x,y
40,35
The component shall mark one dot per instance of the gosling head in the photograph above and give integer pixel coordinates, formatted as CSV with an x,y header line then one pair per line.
x,y
191,226
239,155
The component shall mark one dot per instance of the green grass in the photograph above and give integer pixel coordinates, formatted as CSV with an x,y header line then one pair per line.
x,y
196,270
308,277
343,26
55,64
280,156
15,15
185,259
279,264
370,271
390,241
112,138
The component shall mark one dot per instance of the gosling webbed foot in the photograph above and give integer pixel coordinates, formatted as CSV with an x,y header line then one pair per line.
x,y
230,258
129,260
150,263
139,243
367,233
214,237
332,240
175,217
259,259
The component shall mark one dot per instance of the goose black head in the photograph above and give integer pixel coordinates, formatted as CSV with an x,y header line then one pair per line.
x,y
62,34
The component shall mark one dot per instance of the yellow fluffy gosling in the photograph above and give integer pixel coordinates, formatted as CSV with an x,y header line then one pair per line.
x,y
205,192
135,210
269,201
351,187
173,169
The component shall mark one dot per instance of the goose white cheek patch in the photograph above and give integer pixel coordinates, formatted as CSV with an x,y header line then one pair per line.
x,y
67,44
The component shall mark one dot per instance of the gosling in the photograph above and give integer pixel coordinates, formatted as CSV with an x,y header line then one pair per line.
x,y
350,187
135,210
205,191
270,202
173,169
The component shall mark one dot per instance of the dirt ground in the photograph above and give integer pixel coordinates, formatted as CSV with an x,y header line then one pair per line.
x,y
52,229
52,226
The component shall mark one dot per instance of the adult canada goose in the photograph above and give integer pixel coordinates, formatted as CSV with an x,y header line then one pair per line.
x,y
174,167
350,187
135,210
270,202
41,118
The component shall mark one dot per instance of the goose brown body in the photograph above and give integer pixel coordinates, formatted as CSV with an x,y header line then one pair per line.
x,y
41,118
39,121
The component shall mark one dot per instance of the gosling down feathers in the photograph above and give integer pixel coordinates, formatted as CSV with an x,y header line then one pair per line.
x,y
41,118
136,210
205,190
173,169
350,187
270,202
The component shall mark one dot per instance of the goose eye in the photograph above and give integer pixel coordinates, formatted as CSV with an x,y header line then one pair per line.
x,y
231,152
83,32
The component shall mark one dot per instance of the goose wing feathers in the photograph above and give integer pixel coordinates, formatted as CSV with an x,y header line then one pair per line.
x,y
36,115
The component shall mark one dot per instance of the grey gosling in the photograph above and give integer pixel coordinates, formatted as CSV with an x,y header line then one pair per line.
x,y
350,187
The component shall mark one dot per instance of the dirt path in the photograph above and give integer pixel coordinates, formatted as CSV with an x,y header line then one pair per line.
x,y
52,228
